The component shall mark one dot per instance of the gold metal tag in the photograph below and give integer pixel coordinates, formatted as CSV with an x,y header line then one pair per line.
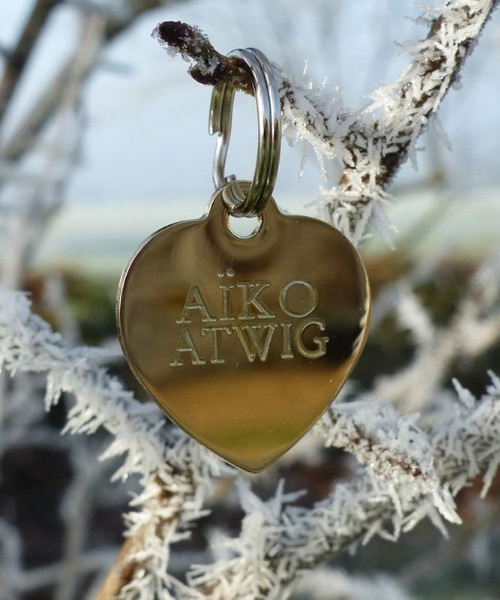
x,y
244,342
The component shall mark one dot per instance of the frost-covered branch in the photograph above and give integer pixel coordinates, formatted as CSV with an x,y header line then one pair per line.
x,y
473,328
384,134
278,540
370,144
175,472
208,66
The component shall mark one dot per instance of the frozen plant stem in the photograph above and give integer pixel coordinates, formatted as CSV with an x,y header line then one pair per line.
x,y
133,560
17,58
370,145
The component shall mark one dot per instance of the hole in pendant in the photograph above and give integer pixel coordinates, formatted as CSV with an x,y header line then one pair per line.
x,y
244,227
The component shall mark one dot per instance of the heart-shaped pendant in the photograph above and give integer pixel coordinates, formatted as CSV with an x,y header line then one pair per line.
x,y
244,342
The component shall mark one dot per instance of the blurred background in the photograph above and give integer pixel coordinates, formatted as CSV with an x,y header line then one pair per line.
x,y
104,139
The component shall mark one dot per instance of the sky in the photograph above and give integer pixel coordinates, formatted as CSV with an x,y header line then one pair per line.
x,y
146,145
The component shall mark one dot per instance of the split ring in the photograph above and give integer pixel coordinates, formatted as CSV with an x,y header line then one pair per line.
x,y
269,132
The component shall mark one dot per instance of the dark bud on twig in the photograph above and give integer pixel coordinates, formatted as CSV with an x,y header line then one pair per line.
x,y
208,66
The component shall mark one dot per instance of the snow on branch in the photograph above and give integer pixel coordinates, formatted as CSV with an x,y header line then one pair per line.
x,y
417,471
371,144
175,472
279,540
472,329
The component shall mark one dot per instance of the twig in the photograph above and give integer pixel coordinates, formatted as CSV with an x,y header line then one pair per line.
x,y
135,561
371,149
208,67
121,571
17,59
279,540
176,473
47,103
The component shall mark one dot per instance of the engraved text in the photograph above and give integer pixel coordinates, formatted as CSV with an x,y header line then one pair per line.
x,y
245,316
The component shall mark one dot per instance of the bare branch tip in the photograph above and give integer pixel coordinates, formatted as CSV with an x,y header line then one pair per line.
x,y
208,66
177,34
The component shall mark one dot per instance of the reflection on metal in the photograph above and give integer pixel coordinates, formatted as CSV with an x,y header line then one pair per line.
x,y
244,342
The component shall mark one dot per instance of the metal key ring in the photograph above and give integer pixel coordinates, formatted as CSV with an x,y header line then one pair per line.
x,y
269,131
